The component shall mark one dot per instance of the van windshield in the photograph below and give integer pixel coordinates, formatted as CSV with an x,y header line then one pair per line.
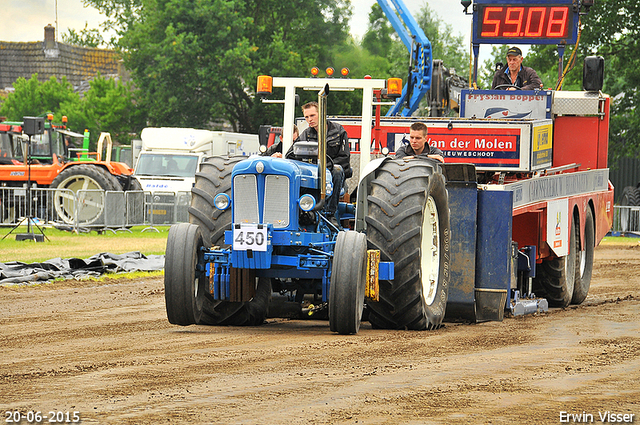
x,y
166,165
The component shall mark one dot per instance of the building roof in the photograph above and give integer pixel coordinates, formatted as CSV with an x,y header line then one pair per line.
x,y
50,58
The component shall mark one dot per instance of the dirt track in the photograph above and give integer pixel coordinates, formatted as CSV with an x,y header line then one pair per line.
x,y
108,352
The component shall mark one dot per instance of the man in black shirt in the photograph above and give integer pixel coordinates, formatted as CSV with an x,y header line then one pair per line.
x,y
337,149
418,144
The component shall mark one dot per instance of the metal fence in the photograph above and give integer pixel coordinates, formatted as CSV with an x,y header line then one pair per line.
x,y
99,210
626,219
93,209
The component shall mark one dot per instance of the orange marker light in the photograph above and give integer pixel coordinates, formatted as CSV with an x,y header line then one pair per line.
x,y
394,87
315,71
265,85
344,72
49,117
64,119
329,71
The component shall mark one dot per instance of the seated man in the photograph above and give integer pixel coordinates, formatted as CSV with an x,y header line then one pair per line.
x,y
418,144
515,74
337,149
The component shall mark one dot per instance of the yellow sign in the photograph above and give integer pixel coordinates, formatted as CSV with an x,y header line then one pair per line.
x,y
372,290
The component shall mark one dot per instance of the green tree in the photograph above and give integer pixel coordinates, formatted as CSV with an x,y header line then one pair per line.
x,y
110,106
611,29
381,39
86,37
196,62
32,98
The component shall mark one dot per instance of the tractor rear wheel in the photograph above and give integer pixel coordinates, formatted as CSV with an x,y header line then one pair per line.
x,y
213,178
584,262
408,221
90,179
348,274
555,278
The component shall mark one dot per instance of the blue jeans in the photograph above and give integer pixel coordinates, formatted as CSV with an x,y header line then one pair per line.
x,y
337,176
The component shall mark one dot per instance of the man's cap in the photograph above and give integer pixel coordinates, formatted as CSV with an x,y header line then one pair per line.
x,y
514,51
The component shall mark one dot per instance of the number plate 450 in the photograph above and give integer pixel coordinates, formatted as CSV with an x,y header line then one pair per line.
x,y
251,237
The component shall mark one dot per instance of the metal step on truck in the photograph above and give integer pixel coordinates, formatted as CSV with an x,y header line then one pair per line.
x,y
508,223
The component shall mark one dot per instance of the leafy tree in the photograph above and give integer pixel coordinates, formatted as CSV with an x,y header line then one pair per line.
x,y
611,29
196,62
32,98
110,106
86,37
107,106
382,39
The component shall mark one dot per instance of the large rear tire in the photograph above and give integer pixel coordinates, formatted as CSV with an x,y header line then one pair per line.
x,y
213,178
555,278
184,285
348,274
408,221
95,180
584,262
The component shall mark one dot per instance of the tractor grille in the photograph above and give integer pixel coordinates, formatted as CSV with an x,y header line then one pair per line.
x,y
276,211
276,202
245,191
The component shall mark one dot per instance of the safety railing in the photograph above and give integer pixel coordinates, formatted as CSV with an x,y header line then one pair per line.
x,y
626,219
93,209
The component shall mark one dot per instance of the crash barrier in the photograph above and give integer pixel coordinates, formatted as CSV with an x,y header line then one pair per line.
x,y
93,209
626,219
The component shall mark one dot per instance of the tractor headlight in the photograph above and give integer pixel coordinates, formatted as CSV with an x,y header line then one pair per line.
x,y
307,202
222,201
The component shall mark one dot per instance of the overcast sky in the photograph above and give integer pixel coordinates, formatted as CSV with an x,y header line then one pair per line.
x,y
24,20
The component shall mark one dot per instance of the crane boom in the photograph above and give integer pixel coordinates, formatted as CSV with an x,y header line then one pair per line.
x,y
419,46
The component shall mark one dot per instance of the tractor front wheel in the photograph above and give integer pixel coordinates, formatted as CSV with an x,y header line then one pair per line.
x,y
348,274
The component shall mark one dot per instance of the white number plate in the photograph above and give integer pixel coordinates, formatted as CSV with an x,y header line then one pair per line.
x,y
249,237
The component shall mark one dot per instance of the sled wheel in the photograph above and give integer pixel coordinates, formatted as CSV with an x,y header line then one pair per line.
x,y
348,273
584,262
555,278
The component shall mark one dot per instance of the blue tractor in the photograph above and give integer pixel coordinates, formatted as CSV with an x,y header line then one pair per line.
x,y
259,245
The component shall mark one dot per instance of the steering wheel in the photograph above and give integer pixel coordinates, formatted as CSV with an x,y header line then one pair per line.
x,y
506,86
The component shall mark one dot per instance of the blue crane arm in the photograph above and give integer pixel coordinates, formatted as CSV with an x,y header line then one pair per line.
x,y
419,46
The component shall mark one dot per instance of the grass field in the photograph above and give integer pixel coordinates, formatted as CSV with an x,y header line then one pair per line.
x,y
71,245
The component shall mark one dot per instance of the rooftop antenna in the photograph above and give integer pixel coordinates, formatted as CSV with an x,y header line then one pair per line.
x,y
56,7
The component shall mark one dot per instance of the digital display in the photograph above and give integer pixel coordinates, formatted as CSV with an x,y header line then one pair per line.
x,y
524,23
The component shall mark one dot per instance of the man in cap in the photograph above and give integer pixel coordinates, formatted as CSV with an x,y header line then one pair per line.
x,y
514,74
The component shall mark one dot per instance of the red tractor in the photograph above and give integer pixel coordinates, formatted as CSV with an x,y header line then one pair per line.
x,y
56,164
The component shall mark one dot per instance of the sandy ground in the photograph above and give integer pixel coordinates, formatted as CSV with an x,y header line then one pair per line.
x,y
107,352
